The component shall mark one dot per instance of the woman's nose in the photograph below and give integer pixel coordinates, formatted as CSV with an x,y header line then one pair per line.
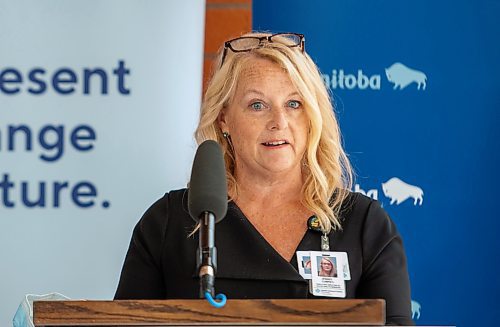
x,y
278,119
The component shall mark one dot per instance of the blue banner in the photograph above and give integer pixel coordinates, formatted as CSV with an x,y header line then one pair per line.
x,y
415,85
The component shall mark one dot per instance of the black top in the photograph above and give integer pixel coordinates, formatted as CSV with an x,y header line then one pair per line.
x,y
161,259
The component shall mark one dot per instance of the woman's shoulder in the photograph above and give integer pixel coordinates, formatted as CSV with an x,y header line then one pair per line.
x,y
357,204
177,197
172,198
365,213
168,205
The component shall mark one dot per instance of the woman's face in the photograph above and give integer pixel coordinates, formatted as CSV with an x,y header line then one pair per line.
x,y
326,265
266,120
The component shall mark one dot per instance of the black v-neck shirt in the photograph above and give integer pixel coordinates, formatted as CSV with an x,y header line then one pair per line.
x,y
161,259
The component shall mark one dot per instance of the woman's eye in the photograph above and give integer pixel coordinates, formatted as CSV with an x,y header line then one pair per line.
x,y
294,104
257,106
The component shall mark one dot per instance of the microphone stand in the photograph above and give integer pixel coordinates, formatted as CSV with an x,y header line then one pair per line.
x,y
207,254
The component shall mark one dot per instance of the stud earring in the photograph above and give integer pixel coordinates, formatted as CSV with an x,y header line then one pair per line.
x,y
225,134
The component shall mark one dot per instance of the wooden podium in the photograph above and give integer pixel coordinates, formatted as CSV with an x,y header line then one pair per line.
x,y
201,313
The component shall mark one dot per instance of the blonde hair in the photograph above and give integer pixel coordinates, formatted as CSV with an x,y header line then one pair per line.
x,y
327,173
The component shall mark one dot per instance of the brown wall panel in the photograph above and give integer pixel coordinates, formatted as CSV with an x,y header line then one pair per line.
x,y
224,19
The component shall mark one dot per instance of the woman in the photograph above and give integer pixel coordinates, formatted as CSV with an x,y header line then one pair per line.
x,y
326,268
267,106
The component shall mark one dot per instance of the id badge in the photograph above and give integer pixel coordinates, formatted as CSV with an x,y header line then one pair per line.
x,y
304,263
328,272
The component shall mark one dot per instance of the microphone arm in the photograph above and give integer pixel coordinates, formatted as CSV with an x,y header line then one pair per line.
x,y
207,254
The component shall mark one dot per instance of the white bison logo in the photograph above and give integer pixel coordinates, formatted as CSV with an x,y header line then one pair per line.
x,y
403,76
399,191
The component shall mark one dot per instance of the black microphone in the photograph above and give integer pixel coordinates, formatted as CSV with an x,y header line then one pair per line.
x,y
207,204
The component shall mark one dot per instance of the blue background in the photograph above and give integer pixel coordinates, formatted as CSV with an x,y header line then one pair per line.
x,y
443,139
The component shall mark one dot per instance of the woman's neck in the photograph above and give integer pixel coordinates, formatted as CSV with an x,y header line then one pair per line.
x,y
273,188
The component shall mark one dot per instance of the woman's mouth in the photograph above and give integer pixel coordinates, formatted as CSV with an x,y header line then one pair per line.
x,y
275,143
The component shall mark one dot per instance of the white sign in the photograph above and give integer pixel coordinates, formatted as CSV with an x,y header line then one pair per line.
x,y
98,105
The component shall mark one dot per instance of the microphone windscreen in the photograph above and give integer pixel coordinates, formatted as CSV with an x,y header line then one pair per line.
x,y
208,186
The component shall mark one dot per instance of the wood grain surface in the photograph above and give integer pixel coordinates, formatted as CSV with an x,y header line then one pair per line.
x,y
200,312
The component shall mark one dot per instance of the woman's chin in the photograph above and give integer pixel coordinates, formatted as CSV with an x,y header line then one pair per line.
x,y
280,167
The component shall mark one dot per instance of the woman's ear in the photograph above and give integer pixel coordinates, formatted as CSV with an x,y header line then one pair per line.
x,y
221,120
